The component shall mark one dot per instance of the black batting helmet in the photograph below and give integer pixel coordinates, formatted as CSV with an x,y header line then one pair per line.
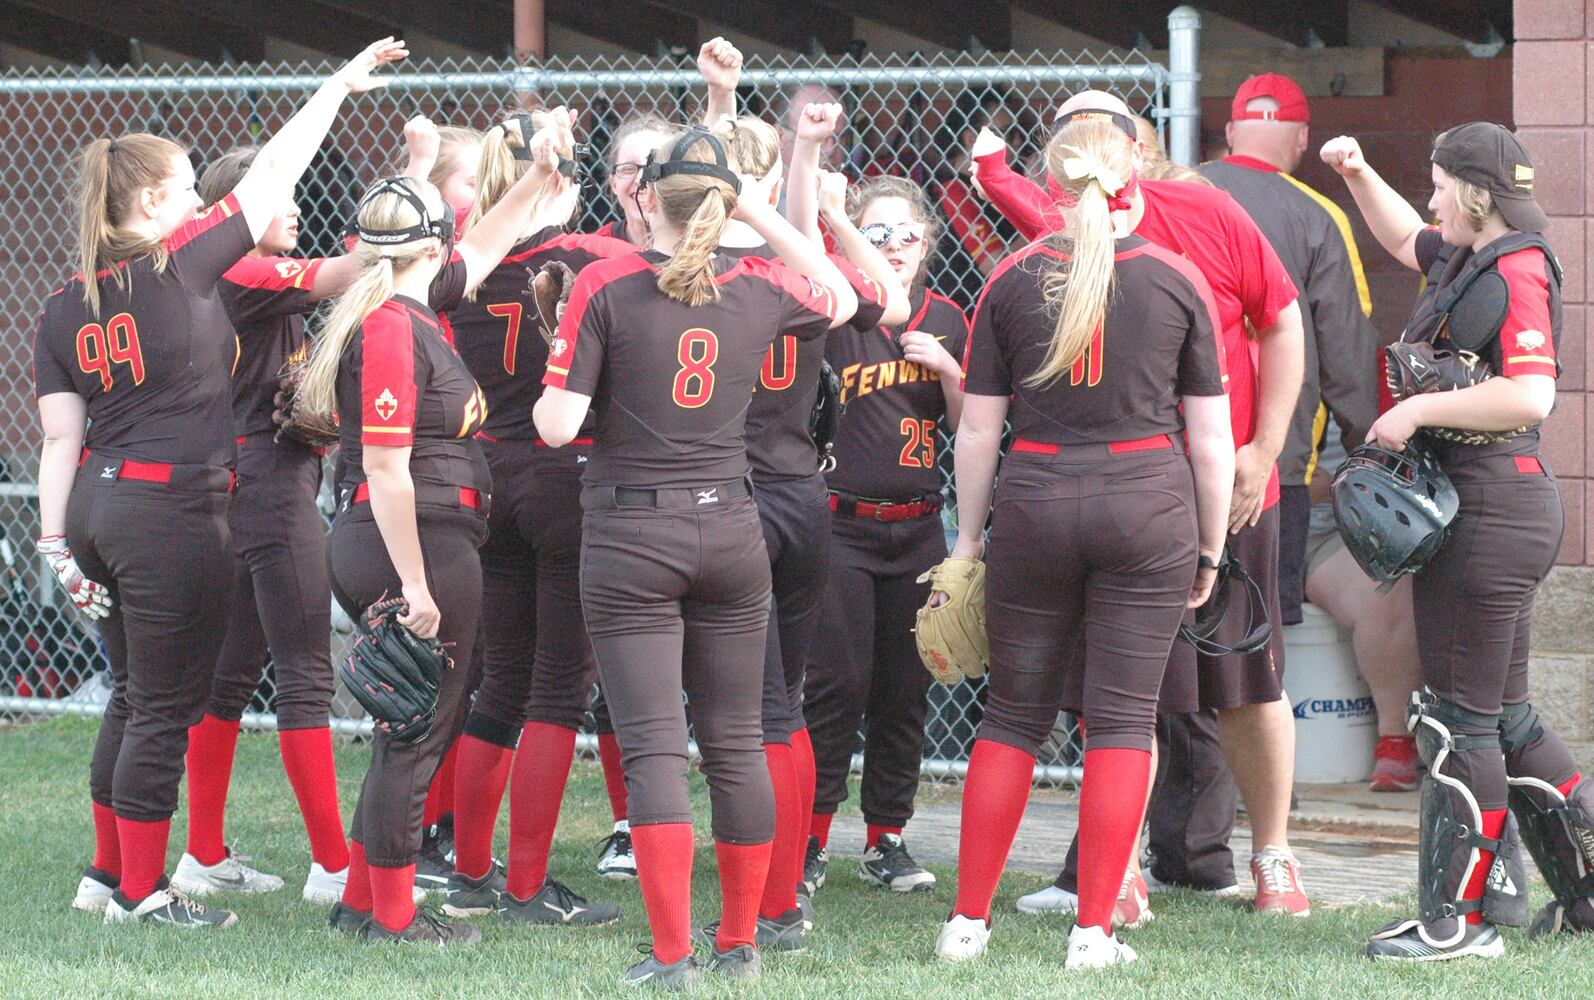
x,y
1393,509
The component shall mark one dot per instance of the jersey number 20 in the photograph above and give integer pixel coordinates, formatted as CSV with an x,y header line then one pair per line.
x,y
99,347
694,382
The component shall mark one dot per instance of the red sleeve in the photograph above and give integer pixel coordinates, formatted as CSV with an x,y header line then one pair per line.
x,y
807,307
1020,200
1265,287
260,287
387,378
1527,344
871,297
204,247
962,210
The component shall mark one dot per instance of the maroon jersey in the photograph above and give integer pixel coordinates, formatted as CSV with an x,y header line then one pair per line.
x,y
672,383
1158,341
266,299
497,334
886,446
402,385
155,365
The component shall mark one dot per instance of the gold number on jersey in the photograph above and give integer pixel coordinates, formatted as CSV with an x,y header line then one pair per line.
x,y
99,347
780,370
697,351
510,312
919,452
1087,367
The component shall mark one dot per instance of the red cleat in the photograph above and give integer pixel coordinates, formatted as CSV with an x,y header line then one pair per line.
x,y
1394,764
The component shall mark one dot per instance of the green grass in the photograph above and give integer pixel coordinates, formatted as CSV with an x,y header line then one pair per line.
x,y
867,943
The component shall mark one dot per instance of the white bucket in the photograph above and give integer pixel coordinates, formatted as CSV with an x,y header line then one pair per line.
x,y
1336,725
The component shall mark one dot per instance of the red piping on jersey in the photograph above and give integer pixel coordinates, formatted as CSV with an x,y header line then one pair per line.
x,y
602,246
1152,443
540,443
203,223
1251,163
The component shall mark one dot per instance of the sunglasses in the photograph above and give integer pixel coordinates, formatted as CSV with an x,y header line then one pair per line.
x,y
907,234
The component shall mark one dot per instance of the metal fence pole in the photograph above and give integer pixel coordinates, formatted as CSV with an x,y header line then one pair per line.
x,y
1184,86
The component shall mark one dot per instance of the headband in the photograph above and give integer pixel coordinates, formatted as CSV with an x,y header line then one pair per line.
x,y
676,163
441,228
523,152
1123,122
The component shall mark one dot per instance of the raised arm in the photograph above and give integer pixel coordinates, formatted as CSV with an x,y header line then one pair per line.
x,y
1021,201
1395,224
423,142
720,62
491,236
865,256
816,124
798,252
270,180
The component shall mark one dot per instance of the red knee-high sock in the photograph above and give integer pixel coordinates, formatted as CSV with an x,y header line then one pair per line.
x,y
664,867
785,863
393,896
143,855
613,774
440,794
542,767
107,846
357,890
873,832
802,752
819,826
744,868
1571,783
994,795
1493,825
211,742
1111,805
307,759
482,769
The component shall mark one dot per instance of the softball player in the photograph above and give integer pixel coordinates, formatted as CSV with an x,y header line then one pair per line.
x,y
1485,747
675,578
1101,340
898,385
537,669
132,366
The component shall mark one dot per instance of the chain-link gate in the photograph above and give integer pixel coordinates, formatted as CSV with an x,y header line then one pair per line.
x,y
910,115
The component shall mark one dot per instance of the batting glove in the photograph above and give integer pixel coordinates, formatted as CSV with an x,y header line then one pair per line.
x,y
91,598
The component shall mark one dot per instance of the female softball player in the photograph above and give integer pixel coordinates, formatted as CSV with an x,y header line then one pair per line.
x,y
1104,347
139,343
537,667
898,385
1485,747
675,578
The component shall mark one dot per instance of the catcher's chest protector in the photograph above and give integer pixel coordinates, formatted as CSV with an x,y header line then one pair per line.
x,y
1468,303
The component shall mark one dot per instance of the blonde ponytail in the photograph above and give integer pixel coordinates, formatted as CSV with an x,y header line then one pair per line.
x,y
111,173
498,170
1086,157
700,205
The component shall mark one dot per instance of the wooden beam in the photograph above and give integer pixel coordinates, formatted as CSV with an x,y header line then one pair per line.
x,y
486,26
58,38
1115,23
161,24
1468,19
1285,19
790,24
948,23
641,29
302,22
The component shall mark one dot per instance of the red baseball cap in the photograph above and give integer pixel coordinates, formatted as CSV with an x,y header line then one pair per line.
x,y
1292,106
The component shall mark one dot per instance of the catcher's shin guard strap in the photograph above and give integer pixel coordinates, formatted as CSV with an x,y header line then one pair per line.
x,y
1432,721
1519,727
1559,832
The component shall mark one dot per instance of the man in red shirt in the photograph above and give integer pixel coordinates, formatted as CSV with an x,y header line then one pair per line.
x,y
1253,293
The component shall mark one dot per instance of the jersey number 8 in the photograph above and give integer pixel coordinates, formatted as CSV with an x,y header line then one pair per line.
x,y
99,347
694,382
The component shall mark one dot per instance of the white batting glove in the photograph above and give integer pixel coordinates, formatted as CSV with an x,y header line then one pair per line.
x,y
90,598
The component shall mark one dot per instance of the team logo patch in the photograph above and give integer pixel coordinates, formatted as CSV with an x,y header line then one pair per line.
x,y
386,404
708,496
559,346
288,269
1530,340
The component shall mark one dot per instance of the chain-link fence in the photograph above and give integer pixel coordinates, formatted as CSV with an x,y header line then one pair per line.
x,y
912,115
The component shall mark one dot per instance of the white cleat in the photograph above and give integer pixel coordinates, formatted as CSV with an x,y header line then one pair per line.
x,y
94,890
230,874
1049,900
323,888
962,938
1093,948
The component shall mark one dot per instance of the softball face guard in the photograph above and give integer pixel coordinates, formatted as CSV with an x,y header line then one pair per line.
x,y
440,227
1232,578
1393,509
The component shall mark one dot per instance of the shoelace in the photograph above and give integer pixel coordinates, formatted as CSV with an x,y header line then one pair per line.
x,y
1129,880
186,902
619,840
897,856
1277,872
563,895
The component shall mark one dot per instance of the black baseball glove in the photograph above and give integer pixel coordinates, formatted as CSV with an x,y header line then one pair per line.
x,y
1414,369
393,673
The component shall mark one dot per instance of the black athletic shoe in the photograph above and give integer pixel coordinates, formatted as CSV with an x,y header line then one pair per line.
x,y
741,962
474,897
1403,941
442,834
675,977
889,864
432,868
167,906
783,933
815,861
1555,919
554,903
427,927
347,919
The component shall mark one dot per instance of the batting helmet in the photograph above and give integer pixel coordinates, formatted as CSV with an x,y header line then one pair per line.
x,y
1393,509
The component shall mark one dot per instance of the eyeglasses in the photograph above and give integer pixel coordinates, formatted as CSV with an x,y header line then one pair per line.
x,y
628,170
906,234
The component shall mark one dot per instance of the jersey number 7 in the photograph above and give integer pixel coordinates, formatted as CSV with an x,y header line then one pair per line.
x,y
99,347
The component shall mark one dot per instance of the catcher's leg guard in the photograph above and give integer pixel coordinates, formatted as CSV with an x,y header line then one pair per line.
x,y
1558,829
1449,840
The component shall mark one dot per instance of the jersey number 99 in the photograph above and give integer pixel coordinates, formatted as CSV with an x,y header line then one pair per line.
x,y
694,381
99,347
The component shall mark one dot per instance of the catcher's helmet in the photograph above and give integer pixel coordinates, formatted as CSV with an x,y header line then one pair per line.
x,y
1393,509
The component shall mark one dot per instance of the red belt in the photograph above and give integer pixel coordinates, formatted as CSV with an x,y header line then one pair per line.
x,y
1529,465
156,472
885,510
1152,443
468,497
535,442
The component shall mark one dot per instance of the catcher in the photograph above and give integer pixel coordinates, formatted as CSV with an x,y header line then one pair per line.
x,y
1498,299
1105,347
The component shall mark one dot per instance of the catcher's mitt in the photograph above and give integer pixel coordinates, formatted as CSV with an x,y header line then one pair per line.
x,y
393,673
296,421
952,640
1413,369
550,289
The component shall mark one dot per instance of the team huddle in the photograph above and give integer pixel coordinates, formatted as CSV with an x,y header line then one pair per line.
x,y
670,455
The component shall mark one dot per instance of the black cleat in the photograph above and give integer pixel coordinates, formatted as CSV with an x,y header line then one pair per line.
x,y
741,962
815,862
474,897
433,868
347,919
1405,941
167,906
554,903
427,927
674,977
889,864
787,932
